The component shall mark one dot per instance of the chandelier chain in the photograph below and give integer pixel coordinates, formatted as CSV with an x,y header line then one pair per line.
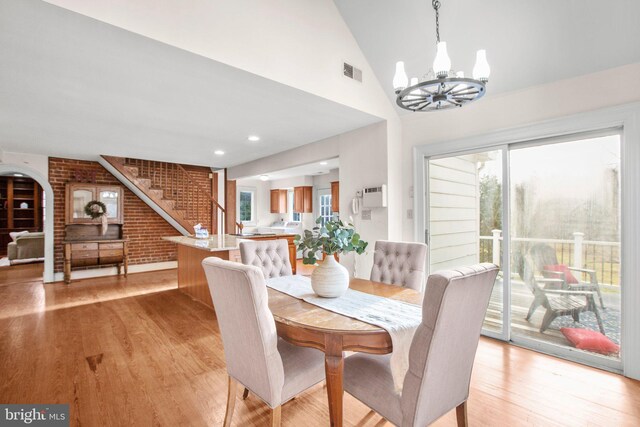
x,y
436,6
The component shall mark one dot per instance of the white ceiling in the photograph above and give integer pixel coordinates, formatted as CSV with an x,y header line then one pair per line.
x,y
310,169
72,86
528,42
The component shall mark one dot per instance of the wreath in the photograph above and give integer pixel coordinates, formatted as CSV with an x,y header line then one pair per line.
x,y
95,209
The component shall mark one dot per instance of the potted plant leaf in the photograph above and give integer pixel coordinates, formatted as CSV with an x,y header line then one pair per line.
x,y
329,279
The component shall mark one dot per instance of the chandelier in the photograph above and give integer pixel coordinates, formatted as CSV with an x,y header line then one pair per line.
x,y
441,88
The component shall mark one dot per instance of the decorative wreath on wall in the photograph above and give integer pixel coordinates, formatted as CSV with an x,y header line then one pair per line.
x,y
95,209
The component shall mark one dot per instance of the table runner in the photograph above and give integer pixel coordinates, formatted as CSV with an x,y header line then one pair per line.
x,y
398,318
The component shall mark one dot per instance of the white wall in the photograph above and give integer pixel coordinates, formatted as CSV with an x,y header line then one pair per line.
x,y
37,162
535,104
300,43
325,180
363,163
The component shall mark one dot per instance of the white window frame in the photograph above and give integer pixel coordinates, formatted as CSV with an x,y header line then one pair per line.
x,y
295,216
254,205
322,193
626,118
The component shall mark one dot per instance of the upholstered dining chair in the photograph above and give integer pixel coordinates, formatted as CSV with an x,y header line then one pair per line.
x,y
270,256
441,354
399,263
271,368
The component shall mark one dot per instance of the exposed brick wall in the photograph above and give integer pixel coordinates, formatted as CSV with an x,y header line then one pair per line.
x,y
142,225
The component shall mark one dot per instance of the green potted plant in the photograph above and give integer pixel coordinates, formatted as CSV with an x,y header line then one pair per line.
x,y
329,279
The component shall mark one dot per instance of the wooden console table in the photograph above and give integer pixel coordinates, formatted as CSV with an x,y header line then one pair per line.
x,y
86,253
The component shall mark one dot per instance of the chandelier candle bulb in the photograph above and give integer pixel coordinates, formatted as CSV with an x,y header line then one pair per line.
x,y
442,63
481,70
441,88
400,79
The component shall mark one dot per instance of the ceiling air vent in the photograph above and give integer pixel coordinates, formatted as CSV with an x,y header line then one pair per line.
x,y
352,72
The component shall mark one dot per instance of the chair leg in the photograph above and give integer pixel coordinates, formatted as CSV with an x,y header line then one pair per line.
x,y
245,394
599,319
549,316
461,414
576,316
231,401
599,296
532,309
276,416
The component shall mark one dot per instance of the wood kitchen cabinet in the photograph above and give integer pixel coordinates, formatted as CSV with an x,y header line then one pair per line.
x,y
335,196
303,199
278,201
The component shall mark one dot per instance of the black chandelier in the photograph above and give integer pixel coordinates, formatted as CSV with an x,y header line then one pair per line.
x,y
441,88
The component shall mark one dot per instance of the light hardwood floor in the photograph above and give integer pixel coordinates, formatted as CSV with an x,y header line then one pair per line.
x,y
135,351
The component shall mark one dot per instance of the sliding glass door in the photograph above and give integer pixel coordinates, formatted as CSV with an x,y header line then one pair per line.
x,y
548,213
565,245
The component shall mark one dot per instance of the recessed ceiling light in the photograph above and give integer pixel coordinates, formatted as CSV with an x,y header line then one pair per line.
x,y
323,163
253,138
264,177
219,153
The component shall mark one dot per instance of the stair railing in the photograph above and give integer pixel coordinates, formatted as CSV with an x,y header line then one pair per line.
x,y
188,195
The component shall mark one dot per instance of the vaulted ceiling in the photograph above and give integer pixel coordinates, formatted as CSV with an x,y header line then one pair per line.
x,y
528,42
73,86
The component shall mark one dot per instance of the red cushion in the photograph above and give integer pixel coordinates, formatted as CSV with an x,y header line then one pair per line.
x,y
569,278
586,339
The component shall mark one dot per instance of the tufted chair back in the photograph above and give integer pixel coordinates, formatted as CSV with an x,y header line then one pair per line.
x,y
399,263
270,256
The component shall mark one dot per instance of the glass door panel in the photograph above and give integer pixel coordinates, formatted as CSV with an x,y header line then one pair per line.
x,y
465,219
565,242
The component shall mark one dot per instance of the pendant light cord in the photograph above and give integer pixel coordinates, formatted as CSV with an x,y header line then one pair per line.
x,y
436,6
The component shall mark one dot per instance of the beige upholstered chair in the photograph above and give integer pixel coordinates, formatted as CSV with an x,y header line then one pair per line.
x,y
441,355
270,256
272,369
399,263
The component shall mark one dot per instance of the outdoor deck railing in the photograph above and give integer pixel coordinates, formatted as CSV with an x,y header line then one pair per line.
x,y
603,257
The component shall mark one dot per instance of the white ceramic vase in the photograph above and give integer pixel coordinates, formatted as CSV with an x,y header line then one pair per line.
x,y
330,279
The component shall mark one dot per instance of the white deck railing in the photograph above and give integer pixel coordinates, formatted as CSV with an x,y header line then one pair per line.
x,y
601,256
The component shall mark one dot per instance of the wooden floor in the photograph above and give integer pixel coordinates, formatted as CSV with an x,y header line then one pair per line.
x,y
128,352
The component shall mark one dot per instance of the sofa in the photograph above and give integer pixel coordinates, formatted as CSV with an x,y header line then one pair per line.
x,y
26,246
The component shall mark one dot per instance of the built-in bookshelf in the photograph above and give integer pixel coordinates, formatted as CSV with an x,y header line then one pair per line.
x,y
20,207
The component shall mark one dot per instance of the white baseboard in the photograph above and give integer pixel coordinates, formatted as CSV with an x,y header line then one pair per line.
x,y
113,271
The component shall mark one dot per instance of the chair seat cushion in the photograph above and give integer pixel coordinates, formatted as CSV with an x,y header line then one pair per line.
x,y
589,340
368,378
303,368
568,276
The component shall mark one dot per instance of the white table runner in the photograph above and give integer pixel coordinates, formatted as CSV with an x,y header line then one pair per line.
x,y
398,318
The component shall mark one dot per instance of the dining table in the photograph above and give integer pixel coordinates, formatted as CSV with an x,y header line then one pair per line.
x,y
307,325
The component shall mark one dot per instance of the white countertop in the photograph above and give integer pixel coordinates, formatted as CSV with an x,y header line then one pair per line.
x,y
215,242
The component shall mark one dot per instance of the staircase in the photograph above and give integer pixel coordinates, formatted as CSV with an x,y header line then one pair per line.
x,y
173,190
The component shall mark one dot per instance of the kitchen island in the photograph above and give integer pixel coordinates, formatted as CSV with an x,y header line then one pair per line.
x,y
191,251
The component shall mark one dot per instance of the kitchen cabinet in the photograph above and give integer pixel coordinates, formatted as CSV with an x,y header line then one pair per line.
x,y
335,196
303,199
278,201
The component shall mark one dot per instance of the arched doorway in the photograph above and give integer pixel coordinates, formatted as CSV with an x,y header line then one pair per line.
x,y
48,224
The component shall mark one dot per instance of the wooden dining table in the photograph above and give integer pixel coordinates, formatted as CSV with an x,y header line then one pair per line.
x,y
308,325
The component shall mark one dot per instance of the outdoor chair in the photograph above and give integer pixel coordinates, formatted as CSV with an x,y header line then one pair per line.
x,y
547,262
549,293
